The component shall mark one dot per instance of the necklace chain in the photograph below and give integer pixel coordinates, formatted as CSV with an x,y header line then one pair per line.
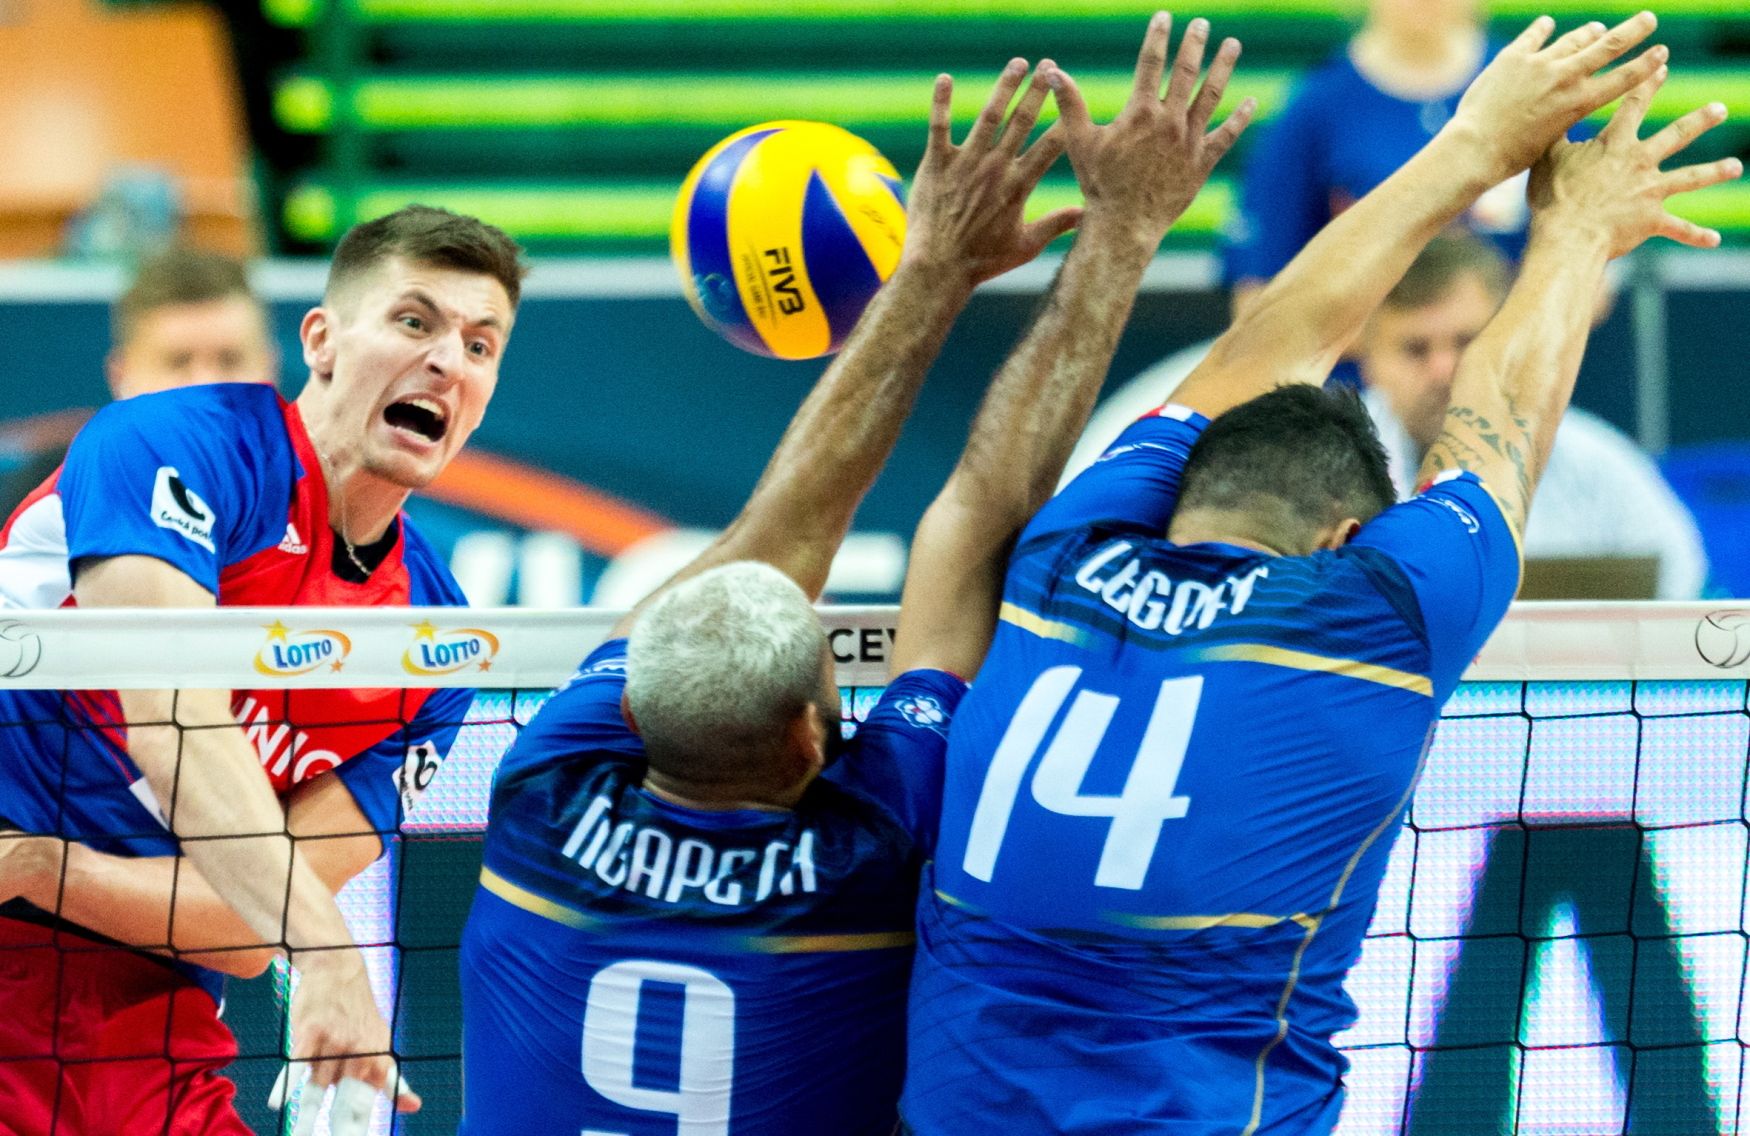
x,y
352,554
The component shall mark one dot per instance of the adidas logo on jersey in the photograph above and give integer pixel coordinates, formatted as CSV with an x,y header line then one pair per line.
x,y
292,542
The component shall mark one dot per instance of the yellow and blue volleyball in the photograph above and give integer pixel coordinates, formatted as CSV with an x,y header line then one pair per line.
x,y
782,234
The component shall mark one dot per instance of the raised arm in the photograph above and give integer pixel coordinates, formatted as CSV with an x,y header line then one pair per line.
x,y
963,226
1591,201
163,903
208,782
1528,97
1137,174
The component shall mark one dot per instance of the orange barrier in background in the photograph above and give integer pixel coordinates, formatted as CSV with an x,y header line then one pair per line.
x,y
84,88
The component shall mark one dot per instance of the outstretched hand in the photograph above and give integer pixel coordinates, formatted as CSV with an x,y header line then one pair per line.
x,y
339,1032
965,212
1144,168
1535,91
1612,186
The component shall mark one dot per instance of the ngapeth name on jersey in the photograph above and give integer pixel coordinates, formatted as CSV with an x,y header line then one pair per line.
x,y
649,860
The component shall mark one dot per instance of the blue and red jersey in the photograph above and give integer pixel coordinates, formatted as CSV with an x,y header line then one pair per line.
x,y
1170,799
222,483
636,967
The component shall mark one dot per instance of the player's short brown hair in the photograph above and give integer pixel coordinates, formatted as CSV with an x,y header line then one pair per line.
x,y
1450,257
1298,458
427,235
178,275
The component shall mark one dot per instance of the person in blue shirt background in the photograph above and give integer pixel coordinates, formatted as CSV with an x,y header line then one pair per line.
x,y
1174,786
1351,122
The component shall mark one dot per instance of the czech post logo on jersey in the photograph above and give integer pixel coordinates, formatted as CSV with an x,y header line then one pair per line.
x,y
289,652
440,651
180,509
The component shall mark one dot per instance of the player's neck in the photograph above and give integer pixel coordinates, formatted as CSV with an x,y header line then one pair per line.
x,y
1417,61
362,506
1215,526
719,798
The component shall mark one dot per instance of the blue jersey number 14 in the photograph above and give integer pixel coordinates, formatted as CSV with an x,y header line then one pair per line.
x,y
1137,813
700,1102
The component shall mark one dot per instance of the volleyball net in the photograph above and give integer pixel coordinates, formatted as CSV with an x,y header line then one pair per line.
x,y
1560,943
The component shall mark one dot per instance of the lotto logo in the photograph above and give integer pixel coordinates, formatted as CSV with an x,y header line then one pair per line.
x,y
289,652
439,651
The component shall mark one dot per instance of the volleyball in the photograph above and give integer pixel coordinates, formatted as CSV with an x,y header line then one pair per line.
x,y
782,234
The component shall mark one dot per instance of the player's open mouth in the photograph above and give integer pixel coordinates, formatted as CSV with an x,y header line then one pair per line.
x,y
419,416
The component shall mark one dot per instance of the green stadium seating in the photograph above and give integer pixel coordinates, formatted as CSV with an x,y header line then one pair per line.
x,y
572,122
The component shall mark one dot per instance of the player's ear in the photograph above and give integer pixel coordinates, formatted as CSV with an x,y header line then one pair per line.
x,y
1340,534
805,745
626,713
115,371
316,333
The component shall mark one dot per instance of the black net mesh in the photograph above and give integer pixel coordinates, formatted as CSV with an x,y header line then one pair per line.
x,y
1560,944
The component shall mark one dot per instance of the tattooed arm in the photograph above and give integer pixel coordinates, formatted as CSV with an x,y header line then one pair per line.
x,y
1591,201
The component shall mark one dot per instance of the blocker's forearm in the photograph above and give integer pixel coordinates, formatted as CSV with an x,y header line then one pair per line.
x,y
1299,324
1023,434
130,900
847,427
1514,382
802,506
1041,398
208,781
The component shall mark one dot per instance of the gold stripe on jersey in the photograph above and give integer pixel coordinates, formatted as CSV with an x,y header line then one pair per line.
x,y
1248,919
1512,530
1306,661
953,901
1257,1117
821,944
1042,627
532,903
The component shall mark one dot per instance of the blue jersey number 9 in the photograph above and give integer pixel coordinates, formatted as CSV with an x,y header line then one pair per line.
x,y
700,1102
1137,813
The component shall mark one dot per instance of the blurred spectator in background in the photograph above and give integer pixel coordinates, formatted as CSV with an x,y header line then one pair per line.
x,y
1600,497
1351,123
188,317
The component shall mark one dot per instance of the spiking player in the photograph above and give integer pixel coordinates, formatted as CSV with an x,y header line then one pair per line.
x,y
720,930
227,495
1173,788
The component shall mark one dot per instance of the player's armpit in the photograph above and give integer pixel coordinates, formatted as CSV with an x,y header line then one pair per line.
x,y
137,581
333,833
1496,445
